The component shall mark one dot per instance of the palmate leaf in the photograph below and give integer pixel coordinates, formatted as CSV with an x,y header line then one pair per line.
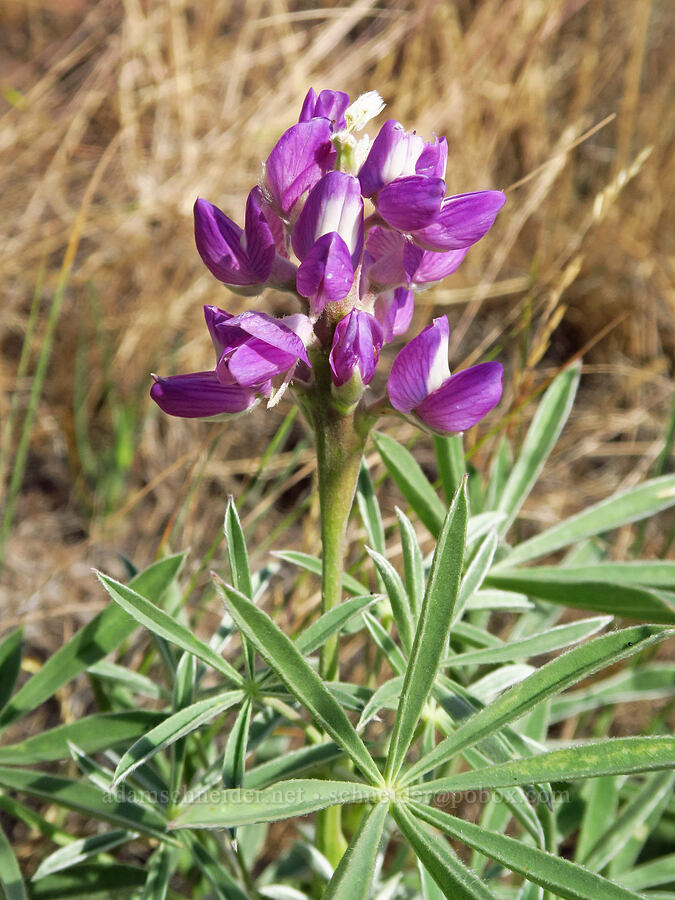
x,y
159,868
475,573
172,729
354,874
554,873
451,463
542,435
104,633
411,481
281,655
454,878
158,622
613,756
550,679
223,884
89,880
650,874
283,800
234,758
316,634
432,630
637,503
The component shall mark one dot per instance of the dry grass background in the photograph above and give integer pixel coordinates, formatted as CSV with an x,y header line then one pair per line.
x,y
116,114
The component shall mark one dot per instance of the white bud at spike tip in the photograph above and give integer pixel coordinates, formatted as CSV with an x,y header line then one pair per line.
x,y
363,109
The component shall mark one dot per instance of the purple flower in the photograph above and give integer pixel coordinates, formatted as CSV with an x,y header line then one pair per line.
x,y
404,176
200,395
356,348
328,238
242,260
397,153
251,349
392,260
329,105
302,155
420,383
394,311
463,220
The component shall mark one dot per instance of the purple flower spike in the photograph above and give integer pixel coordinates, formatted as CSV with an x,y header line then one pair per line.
x,y
420,383
301,156
356,348
200,395
394,311
412,203
463,220
328,105
334,205
425,266
392,261
327,273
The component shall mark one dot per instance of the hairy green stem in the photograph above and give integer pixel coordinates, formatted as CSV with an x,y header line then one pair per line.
x,y
340,437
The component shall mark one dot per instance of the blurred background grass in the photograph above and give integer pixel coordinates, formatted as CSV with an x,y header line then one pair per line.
x,y
116,114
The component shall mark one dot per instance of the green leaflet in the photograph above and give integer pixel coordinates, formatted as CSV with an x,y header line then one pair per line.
x,y
84,798
102,635
283,800
612,756
80,850
455,880
172,728
542,435
432,630
281,655
564,878
411,481
355,871
550,679
11,882
646,499
158,622
560,586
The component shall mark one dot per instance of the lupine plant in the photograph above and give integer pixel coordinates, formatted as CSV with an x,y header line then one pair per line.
x,y
188,771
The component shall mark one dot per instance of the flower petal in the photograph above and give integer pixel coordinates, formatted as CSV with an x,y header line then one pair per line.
x,y
334,205
383,259
219,244
329,104
420,368
433,159
256,362
217,322
393,154
356,347
463,221
412,203
273,332
394,311
463,399
426,266
258,237
301,156
199,395
327,273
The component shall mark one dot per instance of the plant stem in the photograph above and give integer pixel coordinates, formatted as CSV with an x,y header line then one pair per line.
x,y
340,438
